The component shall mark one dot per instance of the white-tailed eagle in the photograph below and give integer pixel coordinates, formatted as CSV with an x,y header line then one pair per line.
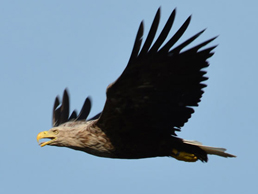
x,y
151,100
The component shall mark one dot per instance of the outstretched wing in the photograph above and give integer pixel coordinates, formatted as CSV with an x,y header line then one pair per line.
x,y
157,90
61,112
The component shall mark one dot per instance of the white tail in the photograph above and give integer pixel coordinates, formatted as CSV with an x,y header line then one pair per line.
x,y
210,150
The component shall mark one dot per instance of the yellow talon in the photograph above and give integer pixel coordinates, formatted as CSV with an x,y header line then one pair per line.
x,y
184,156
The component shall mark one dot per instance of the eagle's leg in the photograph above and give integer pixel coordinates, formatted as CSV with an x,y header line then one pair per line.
x,y
184,156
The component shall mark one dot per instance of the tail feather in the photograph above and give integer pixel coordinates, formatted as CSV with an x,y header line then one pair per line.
x,y
209,149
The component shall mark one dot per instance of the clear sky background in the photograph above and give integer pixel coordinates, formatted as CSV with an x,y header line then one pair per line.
x,y
46,46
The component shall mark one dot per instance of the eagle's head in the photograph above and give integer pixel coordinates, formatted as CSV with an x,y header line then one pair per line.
x,y
66,135
55,135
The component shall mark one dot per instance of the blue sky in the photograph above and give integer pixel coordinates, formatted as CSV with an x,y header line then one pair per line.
x,y
47,46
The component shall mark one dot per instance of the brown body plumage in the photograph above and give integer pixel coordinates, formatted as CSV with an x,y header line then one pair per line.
x,y
145,106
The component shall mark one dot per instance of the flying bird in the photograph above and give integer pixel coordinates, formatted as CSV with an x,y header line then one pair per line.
x,y
145,107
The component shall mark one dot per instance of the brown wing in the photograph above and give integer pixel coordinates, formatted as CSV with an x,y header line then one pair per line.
x,y
157,90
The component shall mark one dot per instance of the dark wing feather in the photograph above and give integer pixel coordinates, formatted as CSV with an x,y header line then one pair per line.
x,y
61,112
95,117
85,110
151,35
137,45
56,113
73,116
64,111
176,36
164,33
158,88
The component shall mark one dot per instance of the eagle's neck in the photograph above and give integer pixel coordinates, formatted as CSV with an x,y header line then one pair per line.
x,y
85,136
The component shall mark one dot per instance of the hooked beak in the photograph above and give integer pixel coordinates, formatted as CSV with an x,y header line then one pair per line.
x,y
46,135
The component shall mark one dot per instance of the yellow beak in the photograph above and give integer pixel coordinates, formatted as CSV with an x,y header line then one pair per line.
x,y
44,135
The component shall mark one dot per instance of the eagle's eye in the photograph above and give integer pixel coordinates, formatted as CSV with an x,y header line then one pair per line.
x,y
55,131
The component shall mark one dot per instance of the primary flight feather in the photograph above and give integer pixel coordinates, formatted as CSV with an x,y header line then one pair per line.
x,y
151,100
